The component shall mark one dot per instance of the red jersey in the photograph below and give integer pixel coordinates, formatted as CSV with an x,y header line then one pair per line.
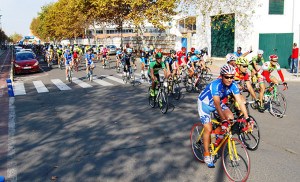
x,y
295,53
75,55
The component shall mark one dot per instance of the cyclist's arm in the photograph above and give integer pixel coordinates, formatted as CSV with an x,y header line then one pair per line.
x,y
281,75
218,107
239,100
152,74
166,73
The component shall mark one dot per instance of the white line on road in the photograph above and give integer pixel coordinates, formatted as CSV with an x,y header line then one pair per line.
x,y
61,85
114,79
102,82
19,88
12,172
81,83
40,87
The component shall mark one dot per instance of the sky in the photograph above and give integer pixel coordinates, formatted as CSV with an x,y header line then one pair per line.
x,y
18,14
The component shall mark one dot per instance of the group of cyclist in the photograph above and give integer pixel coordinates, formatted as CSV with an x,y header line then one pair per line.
x,y
233,77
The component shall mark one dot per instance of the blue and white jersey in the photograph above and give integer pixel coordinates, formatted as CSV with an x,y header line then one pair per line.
x,y
119,52
68,58
129,50
217,88
89,58
238,54
194,58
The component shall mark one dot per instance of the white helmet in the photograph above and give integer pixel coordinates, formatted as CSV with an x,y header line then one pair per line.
x,y
227,70
260,52
231,57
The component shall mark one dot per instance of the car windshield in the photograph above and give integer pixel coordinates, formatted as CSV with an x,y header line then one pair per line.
x,y
24,56
111,47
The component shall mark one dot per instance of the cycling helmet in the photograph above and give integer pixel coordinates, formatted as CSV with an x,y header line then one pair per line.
x,y
172,51
239,48
158,55
197,52
68,51
90,49
159,51
242,61
192,49
231,57
273,56
146,49
227,70
260,52
183,49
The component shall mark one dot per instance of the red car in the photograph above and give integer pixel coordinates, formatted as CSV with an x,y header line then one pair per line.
x,y
25,62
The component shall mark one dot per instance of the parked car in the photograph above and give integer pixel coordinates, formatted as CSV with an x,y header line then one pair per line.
x,y
26,62
112,49
28,50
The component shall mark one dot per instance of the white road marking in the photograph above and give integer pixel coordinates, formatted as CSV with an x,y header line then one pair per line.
x,y
40,87
102,82
60,85
12,172
114,79
19,88
81,83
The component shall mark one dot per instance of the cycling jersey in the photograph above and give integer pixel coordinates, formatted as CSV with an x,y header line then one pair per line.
x,y
255,60
60,52
170,61
267,68
217,88
68,58
89,58
238,54
145,57
104,51
194,58
156,67
75,55
238,76
181,58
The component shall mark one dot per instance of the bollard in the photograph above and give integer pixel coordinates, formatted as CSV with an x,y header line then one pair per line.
x,y
2,179
10,88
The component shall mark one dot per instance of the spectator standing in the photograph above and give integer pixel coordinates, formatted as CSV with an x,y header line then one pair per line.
x,y
294,59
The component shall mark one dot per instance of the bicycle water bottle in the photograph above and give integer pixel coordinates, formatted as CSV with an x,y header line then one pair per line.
x,y
213,137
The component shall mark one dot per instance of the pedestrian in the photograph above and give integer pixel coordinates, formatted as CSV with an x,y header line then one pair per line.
x,y
294,58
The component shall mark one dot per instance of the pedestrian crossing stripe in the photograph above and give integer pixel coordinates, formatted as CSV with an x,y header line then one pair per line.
x,y
40,87
81,83
60,85
19,89
102,82
114,79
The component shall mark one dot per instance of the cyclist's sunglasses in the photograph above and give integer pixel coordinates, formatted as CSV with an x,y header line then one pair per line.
x,y
274,60
229,77
245,66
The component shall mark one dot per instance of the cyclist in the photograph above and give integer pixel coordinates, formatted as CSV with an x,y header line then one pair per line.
x,y
153,72
241,74
209,100
104,55
60,55
119,55
126,59
181,57
89,60
145,59
192,63
265,71
239,53
170,63
68,61
130,54
75,57
255,61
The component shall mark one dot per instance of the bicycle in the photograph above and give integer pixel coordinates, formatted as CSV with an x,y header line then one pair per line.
x,y
90,73
235,158
276,100
106,63
61,63
174,87
250,136
130,76
161,98
197,81
120,67
76,64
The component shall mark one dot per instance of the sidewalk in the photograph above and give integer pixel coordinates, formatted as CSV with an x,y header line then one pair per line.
x,y
217,63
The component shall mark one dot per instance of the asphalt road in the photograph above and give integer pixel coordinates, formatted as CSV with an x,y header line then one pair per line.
x,y
110,133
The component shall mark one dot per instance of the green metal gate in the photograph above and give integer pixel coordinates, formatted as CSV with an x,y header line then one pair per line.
x,y
222,35
280,44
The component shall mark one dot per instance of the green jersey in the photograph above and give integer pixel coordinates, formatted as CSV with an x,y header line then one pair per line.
x,y
156,67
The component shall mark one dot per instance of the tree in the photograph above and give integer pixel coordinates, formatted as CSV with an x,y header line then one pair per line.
x,y
15,37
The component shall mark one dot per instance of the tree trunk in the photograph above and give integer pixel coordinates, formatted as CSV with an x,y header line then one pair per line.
x,y
142,36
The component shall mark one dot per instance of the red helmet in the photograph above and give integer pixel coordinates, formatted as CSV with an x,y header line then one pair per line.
x,y
192,49
273,56
183,49
159,51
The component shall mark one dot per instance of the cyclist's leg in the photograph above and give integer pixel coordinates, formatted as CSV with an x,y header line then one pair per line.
x,y
274,79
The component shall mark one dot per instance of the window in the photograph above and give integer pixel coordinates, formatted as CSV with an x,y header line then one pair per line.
x,y
276,7
99,31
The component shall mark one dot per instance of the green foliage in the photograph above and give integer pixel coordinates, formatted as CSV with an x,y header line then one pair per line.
x,y
15,37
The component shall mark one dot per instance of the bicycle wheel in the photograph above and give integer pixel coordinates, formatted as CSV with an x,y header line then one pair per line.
x,y
251,137
278,105
151,99
189,86
207,74
236,168
197,141
176,91
163,102
254,105
90,75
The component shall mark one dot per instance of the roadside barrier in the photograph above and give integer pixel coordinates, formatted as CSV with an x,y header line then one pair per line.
x,y
10,90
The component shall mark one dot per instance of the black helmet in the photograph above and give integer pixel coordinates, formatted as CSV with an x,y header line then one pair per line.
x,y
172,51
158,55
90,49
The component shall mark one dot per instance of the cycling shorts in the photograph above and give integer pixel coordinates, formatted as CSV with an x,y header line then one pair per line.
x,y
90,63
104,56
204,111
